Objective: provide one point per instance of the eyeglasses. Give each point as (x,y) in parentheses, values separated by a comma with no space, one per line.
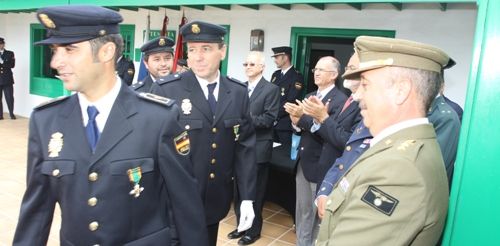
(321,70)
(249,64)
(350,68)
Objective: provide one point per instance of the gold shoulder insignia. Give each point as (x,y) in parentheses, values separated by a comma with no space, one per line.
(406,144)
(156,98)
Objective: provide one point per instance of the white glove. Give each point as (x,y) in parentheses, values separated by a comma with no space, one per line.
(246,215)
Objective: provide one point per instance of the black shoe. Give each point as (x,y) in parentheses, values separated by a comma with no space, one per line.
(1,117)
(235,234)
(247,240)
(13,117)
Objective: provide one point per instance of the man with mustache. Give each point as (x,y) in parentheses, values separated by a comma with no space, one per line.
(396,193)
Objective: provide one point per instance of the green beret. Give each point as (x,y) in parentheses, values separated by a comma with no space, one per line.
(377,52)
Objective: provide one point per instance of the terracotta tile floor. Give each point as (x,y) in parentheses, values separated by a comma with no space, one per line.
(277,229)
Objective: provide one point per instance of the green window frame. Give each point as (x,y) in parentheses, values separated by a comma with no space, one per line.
(42,77)
(152,34)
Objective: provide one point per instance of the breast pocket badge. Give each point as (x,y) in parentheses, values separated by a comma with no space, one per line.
(236,130)
(186,106)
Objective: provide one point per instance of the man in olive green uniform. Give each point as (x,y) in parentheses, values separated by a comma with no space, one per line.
(396,193)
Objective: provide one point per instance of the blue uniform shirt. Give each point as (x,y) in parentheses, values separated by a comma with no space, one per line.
(357,144)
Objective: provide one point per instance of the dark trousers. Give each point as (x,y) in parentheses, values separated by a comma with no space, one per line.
(258,204)
(8,91)
(283,136)
(213,230)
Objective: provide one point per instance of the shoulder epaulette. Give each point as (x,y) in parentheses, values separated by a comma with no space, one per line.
(169,78)
(137,85)
(51,102)
(236,81)
(155,98)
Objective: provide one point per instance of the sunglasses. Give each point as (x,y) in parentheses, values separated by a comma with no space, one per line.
(249,64)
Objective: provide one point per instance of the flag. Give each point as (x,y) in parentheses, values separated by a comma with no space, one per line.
(143,71)
(163,32)
(179,52)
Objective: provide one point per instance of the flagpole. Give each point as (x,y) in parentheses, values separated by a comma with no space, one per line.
(143,71)
(179,52)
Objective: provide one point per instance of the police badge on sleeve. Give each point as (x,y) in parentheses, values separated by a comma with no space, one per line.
(182,143)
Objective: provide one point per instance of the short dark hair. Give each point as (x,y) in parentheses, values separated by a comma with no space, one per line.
(97,43)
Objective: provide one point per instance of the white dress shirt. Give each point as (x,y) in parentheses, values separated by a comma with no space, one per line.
(103,105)
(204,88)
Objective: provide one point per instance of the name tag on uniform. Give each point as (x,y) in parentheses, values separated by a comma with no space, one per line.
(344,185)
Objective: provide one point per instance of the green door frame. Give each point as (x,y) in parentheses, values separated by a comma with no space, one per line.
(473,213)
(301,47)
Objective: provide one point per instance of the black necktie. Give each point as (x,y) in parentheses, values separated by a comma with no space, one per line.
(91,129)
(211,98)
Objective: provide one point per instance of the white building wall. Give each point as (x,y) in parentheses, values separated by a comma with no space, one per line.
(452,30)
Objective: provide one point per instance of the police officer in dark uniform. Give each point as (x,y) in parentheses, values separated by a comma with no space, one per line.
(7,63)
(158,58)
(290,82)
(215,111)
(125,69)
(182,66)
(112,159)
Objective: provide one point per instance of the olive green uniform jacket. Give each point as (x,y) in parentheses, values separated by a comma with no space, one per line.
(396,193)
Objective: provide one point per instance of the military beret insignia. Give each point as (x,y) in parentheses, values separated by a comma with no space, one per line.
(298,85)
(102,32)
(195,29)
(47,21)
(380,200)
(161,42)
(182,143)
(130,71)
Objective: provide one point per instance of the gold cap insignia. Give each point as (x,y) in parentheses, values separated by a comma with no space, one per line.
(47,21)
(195,29)
(182,143)
(102,32)
(55,144)
(161,42)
